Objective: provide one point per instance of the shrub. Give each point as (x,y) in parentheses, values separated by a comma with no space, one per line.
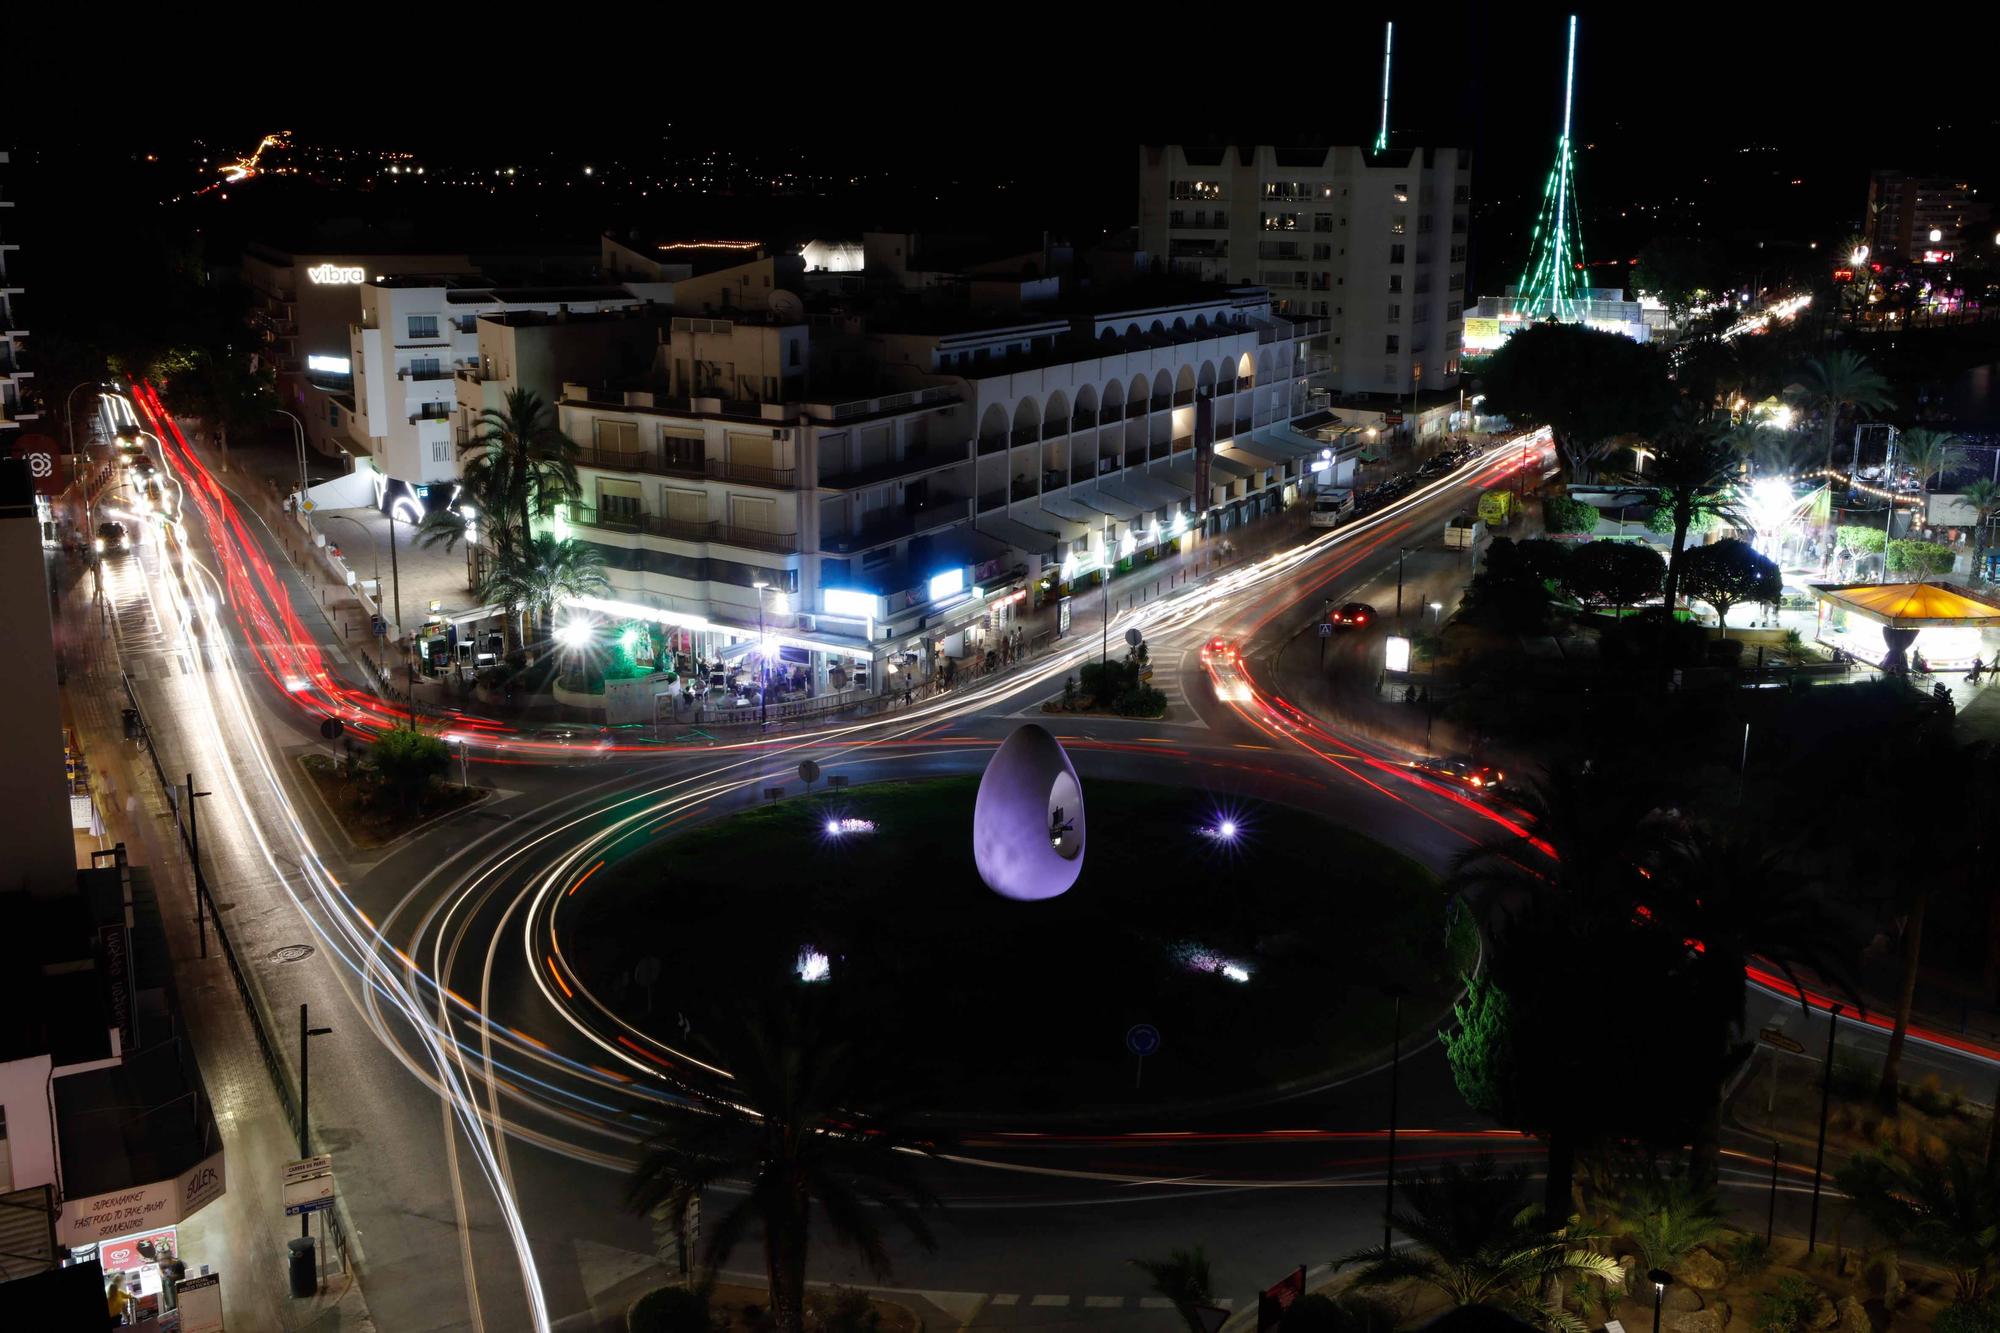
(1349,1313)
(1725,652)
(406,760)
(1919,557)
(1858,537)
(1789,1309)
(670,1310)
(1562,514)
(1140,701)
(841,1310)
(1747,1255)
(1969,1317)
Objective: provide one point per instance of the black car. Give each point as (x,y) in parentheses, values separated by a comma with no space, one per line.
(1354,615)
(111,536)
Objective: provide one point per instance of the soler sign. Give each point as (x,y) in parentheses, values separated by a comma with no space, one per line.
(337,275)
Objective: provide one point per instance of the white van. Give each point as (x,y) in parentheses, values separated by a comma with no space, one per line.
(1332,508)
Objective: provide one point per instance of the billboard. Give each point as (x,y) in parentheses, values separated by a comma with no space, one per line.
(44,459)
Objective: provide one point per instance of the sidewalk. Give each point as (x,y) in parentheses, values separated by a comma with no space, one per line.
(242,1235)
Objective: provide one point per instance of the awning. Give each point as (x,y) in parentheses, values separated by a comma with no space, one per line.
(1221,467)
(1153,489)
(1065,529)
(1260,454)
(1911,605)
(1068,507)
(965,546)
(1100,498)
(1182,477)
(1020,536)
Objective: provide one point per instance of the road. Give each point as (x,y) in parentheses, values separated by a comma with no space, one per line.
(482,1112)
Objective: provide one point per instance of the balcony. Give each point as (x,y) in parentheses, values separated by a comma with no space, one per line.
(443,413)
(888,527)
(435,373)
(465,324)
(1243,425)
(1183,443)
(471,375)
(1027,434)
(641,460)
(991,444)
(917,460)
(1184,398)
(1054,430)
(1111,414)
(1224,386)
(780,478)
(652,525)
(1135,409)
(992,500)
(1083,420)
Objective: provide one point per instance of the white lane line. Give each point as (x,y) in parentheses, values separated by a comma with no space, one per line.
(1042,1301)
(1104,1302)
(1155,1303)
(1012,1298)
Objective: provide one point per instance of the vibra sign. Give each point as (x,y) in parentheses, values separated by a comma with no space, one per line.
(337,275)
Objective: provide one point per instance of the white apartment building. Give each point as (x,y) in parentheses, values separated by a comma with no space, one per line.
(412,352)
(1373,242)
(982,464)
(16,403)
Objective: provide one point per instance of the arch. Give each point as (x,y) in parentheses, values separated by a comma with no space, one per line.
(1246,370)
(1163,388)
(1184,377)
(1206,379)
(1180,324)
(1201,323)
(1141,390)
(1132,330)
(1055,414)
(1109,334)
(1159,327)
(1085,411)
(1027,417)
(993,424)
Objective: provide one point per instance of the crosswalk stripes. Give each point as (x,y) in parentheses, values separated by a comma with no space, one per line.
(1055,1301)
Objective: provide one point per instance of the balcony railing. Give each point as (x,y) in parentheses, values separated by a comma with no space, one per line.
(990,500)
(442,415)
(653,525)
(1184,397)
(917,460)
(890,526)
(1136,409)
(1082,420)
(432,373)
(784,478)
(1026,434)
(991,444)
(1183,443)
(641,460)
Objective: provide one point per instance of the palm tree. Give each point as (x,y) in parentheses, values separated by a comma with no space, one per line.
(1183,1278)
(1984,497)
(1477,1245)
(1692,478)
(1946,1209)
(533,580)
(1841,379)
(793,1122)
(1665,1217)
(518,468)
(1928,453)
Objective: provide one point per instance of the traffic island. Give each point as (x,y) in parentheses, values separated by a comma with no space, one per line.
(1211,948)
(368,813)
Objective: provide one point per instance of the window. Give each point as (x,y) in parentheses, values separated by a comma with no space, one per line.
(1395,312)
(618,437)
(1456,282)
(1461,194)
(1177,218)
(1394,343)
(1395,282)
(680,448)
(1458,253)
(332,413)
(1458,224)
(1422,313)
(1402,194)
(1279,221)
(1399,223)
(426,368)
(1396,254)
(619,502)
(1194,190)
(1322,222)
(1451,311)
(1423,224)
(1321,250)
(423,326)
(440,451)
(792,349)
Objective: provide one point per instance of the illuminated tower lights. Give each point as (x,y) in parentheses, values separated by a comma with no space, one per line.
(1550,285)
(1388,45)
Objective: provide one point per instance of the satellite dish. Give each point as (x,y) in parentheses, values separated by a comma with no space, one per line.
(787,306)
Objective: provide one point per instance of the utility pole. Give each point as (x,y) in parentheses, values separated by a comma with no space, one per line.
(395,575)
(194,859)
(1825,1092)
(1395,1087)
(306,1034)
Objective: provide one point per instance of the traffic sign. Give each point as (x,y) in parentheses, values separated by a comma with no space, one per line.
(1773,1037)
(1142,1039)
(308,1186)
(1326,629)
(379,625)
(1133,638)
(307,1168)
(332,728)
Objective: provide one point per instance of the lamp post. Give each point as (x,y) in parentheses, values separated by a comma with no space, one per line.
(299,438)
(306,1034)
(1819,1157)
(69,433)
(1395,1087)
(1661,1280)
(763,658)
(1401,552)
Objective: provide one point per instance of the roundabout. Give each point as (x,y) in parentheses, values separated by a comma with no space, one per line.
(1229,925)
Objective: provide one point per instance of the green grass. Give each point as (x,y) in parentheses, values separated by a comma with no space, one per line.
(978,1001)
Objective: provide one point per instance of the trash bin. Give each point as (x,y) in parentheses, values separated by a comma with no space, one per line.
(304,1266)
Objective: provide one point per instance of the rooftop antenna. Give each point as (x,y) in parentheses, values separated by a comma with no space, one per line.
(1388,45)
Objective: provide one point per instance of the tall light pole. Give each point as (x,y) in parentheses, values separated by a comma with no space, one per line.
(299,438)
(69,433)
(763,658)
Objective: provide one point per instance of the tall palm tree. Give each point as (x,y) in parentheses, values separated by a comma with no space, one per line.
(1946,1209)
(1984,497)
(1182,1278)
(794,1124)
(1928,453)
(1477,1245)
(1841,379)
(518,468)
(533,580)
(1692,478)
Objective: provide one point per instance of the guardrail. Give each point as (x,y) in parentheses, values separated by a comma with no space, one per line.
(274,1065)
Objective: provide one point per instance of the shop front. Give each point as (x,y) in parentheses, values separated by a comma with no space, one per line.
(135,1235)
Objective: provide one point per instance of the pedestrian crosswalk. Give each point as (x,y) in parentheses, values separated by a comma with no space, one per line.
(1011,1299)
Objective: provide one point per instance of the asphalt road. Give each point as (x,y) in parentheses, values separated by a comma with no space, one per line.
(482,1118)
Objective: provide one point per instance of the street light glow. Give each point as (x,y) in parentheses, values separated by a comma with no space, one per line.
(575,633)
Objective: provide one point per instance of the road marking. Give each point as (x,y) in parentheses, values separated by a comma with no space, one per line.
(1104,1302)
(1049,1301)
(1155,1303)
(1005,1298)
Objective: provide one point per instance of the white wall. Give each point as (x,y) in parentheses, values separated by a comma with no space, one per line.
(24,1094)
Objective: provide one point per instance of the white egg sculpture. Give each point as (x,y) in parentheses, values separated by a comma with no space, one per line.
(1027,825)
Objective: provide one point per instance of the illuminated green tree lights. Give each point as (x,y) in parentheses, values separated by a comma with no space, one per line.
(1552,284)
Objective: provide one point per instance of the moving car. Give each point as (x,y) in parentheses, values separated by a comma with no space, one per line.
(1481,779)
(1225,669)
(111,536)
(1353,615)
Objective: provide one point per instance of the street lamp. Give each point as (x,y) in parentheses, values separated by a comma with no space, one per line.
(763,658)
(1661,1279)
(1401,552)
(299,438)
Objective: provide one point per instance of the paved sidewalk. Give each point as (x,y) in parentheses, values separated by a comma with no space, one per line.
(242,1235)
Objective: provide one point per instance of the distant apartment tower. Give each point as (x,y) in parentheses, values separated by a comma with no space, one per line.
(1912,217)
(1373,242)
(16,402)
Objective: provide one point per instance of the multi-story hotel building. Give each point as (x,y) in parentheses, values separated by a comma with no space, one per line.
(890,486)
(1374,243)
(16,403)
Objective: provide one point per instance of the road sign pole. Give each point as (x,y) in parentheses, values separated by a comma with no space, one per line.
(1825,1092)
